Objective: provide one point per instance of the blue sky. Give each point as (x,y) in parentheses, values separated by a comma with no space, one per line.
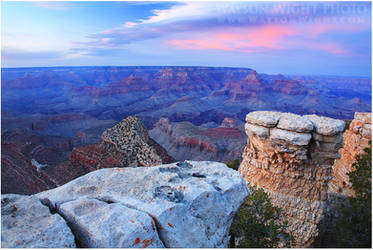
(328,38)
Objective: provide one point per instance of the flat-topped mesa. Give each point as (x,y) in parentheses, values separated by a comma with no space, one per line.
(291,157)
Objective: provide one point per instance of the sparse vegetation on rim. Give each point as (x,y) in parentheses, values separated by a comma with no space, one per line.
(258,224)
(354,228)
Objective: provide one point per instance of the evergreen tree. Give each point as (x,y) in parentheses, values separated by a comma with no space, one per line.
(354,228)
(257,223)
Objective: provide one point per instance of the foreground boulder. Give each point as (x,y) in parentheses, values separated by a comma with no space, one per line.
(25,222)
(99,224)
(186,204)
(291,157)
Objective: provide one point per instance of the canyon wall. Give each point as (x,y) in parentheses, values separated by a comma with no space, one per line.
(355,140)
(210,141)
(291,157)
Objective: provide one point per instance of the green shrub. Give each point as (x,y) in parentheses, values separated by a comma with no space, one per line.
(347,125)
(354,228)
(234,164)
(257,223)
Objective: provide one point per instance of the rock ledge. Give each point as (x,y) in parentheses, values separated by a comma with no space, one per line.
(185,204)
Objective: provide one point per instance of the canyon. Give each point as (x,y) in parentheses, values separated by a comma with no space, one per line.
(127,144)
(50,111)
(61,123)
(183,140)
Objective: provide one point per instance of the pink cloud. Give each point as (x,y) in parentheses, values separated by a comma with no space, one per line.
(264,38)
(247,40)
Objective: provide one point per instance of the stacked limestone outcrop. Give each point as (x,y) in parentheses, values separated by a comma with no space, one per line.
(291,157)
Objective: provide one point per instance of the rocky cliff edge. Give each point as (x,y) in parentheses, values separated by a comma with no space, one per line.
(185,204)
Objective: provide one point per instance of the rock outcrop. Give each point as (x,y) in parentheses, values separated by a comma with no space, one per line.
(127,144)
(291,157)
(355,140)
(25,222)
(185,204)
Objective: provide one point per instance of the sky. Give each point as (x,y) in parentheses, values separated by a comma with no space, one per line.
(309,38)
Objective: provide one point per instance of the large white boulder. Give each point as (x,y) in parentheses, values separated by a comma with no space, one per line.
(294,122)
(294,138)
(98,224)
(26,223)
(325,125)
(192,203)
(267,119)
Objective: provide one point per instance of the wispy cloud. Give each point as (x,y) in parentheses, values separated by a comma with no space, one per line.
(250,27)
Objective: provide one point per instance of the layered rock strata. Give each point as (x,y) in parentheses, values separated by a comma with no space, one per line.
(185,141)
(291,157)
(185,204)
(355,140)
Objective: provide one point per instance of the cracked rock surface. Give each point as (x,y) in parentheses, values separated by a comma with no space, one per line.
(185,204)
(25,222)
(99,224)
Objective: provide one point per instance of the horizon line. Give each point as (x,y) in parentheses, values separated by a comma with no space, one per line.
(182,66)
